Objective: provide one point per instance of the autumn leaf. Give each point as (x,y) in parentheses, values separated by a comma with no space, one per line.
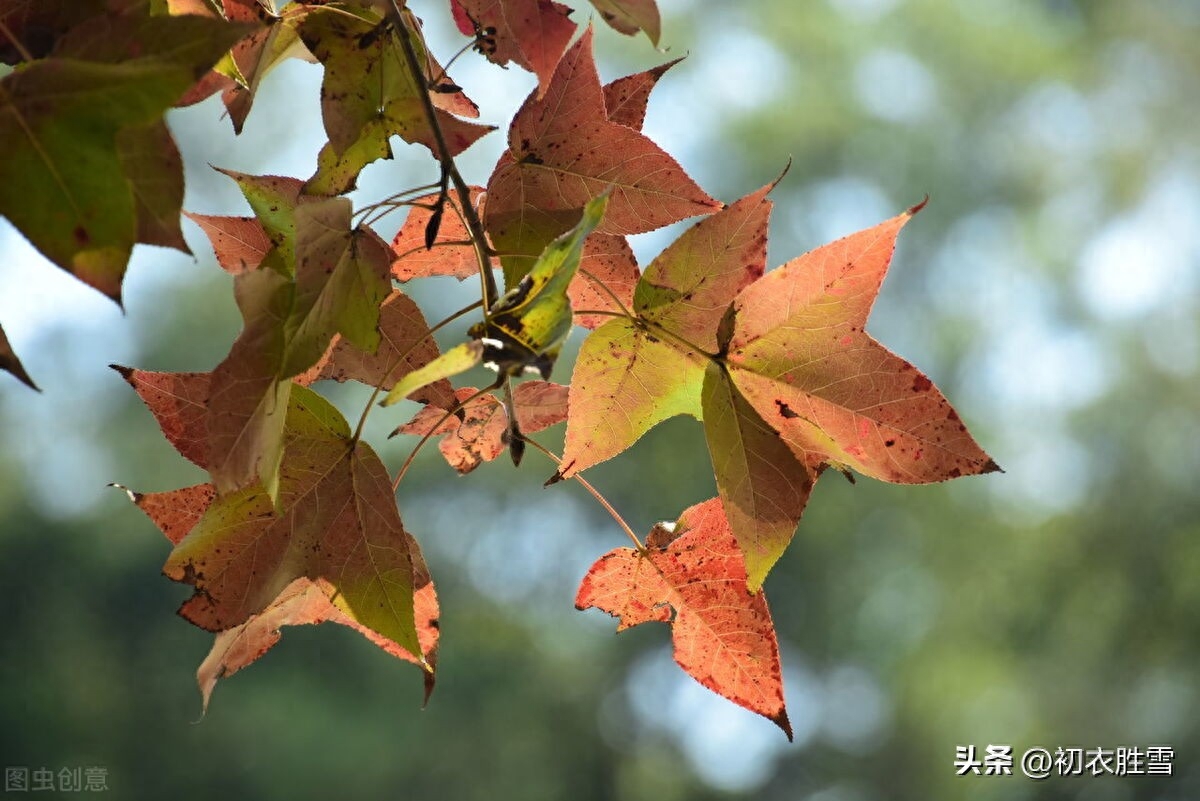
(764,489)
(562,151)
(452,252)
(304,601)
(72,177)
(10,363)
(240,243)
(531,33)
(320,279)
(152,163)
(179,402)
(406,344)
(625,99)
(800,355)
(631,16)
(175,512)
(632,374)
(361,113)
(335,520)
(779,368)
(239,74)
(478,436)
(691,575)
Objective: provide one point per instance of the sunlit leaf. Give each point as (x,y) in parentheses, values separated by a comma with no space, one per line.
(562,151)
(691,576)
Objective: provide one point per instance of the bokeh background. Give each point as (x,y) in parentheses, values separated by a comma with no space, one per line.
(1050,288)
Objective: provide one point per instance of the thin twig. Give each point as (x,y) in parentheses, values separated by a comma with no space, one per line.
(362,419)
(474,224)
(608,507)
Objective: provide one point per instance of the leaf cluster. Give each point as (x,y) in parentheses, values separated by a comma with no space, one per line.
(298,522)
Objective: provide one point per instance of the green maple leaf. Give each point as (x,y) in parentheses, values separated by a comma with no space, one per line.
(320,279)
(369,94)
(85,154)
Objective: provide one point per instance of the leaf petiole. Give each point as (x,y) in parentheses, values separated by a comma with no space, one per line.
(362,419)
(595,493)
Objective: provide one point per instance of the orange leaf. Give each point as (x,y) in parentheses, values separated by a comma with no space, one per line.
(800,355)
(304,601)
(562,152)
(692,576)
(531,33)
(413,260)
(179,401)
(240,243)
(625,99)
(608,268)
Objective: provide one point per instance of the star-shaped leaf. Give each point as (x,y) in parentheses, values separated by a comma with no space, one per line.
(787,381)
(335,520)
(691,576)
(564,150)
(369,94)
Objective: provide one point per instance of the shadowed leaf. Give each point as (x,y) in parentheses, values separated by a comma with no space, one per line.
(763,487)
(335,520)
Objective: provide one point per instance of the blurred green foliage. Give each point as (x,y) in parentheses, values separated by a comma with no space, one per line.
(1050,289)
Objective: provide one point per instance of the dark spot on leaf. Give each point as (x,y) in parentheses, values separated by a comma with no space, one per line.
(785,411)
(82,238)
(921,384)
(889,443)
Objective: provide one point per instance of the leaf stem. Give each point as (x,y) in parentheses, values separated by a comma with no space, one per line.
(362,419)
(608,507)
(609,292)
(474,224)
